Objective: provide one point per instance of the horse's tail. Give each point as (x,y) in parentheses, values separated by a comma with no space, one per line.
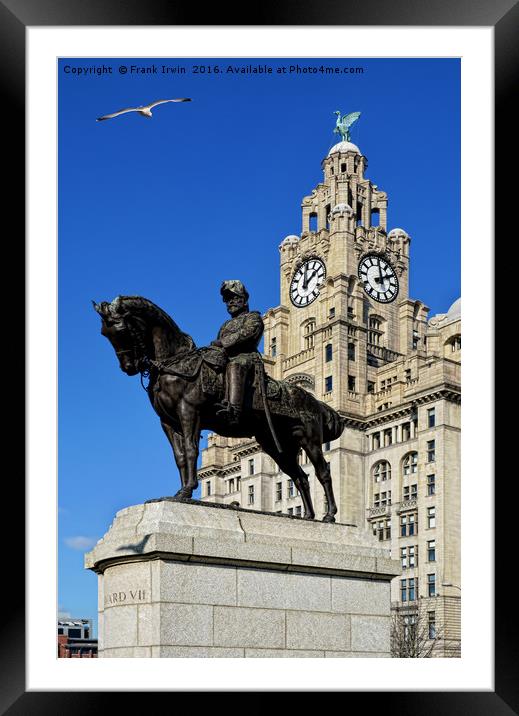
(332,423)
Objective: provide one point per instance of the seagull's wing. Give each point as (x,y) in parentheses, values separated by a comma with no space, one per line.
(119,111)
(349,119)
(161,101)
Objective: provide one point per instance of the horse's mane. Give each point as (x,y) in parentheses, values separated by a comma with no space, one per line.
(145,308)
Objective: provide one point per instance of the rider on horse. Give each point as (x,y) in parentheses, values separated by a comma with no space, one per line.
(239,337)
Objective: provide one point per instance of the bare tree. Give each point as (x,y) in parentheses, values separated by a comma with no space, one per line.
(415,633)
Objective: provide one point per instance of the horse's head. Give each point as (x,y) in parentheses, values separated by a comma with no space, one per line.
(125,332)
(140,331)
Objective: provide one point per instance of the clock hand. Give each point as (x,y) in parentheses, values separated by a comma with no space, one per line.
(311,276)
(305,280)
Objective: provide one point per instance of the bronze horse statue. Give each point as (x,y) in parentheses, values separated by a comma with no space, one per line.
(147,341)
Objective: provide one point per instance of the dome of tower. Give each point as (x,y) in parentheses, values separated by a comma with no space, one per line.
(454,312)
(344,147)
(289,240)
(397,234)
(341,208)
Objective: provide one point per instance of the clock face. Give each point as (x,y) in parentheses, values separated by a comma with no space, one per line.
(378,278)
(306,282)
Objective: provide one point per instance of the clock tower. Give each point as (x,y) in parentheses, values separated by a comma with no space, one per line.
(344,309)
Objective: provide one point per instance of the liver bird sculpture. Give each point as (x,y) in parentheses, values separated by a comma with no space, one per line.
(344,123)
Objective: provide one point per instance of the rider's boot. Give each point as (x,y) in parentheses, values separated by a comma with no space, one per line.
(232,409)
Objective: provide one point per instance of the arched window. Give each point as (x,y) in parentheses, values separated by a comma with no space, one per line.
(382,471)
(376,330)
(410,464)
(453,345)
(410,477)
(308,333)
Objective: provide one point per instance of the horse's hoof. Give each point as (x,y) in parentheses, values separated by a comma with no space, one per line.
(328,518)
(182,494)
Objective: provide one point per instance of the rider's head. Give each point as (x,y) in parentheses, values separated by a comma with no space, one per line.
(236,296)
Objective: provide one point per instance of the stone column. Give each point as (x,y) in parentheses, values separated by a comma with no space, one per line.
(197,580)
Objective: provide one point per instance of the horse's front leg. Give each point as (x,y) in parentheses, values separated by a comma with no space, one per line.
(177,443)
(190,423)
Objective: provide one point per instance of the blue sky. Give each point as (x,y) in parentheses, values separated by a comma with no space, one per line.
(168,207)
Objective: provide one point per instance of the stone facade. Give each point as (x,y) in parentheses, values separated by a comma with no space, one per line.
(194,580)
(392,373)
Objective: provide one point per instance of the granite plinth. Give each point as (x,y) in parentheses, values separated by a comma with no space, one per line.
(184,579)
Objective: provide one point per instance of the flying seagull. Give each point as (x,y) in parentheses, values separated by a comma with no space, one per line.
(145,110)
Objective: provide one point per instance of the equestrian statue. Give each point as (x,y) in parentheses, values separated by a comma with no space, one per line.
(222,387)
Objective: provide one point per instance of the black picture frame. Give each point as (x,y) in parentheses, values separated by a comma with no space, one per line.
(15,16)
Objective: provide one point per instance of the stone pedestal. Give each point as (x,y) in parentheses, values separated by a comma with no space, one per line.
(183,579)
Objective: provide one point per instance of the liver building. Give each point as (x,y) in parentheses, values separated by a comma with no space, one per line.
(347,330)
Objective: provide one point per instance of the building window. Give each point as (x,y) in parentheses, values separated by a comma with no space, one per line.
(407,375)
(371,386)
(343,167)
(208,488)
(431,451)
(388,437)
(431,484)
(375,330)
(408,557)
(238,483)
(331,313)
(431,624)
(251,466)
(327,446)
(382,471)
(231,485)
(376,441)
(328,384)
(411,525)
(408,525)
(431,585)
(298,511)
(382,529)
(328,352)
(279,490)
(412,556)
(291,488)
(431,417)
(406,432)
(431,517)
(454,344)
(410,464)
(309,334)
(251,494)
(350,313)
(410,492)
(273,347)
(407,590)
(351,383)
(409,622)
(431,550)
(290,511)
(382,499)
(351,351)
(416,340)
